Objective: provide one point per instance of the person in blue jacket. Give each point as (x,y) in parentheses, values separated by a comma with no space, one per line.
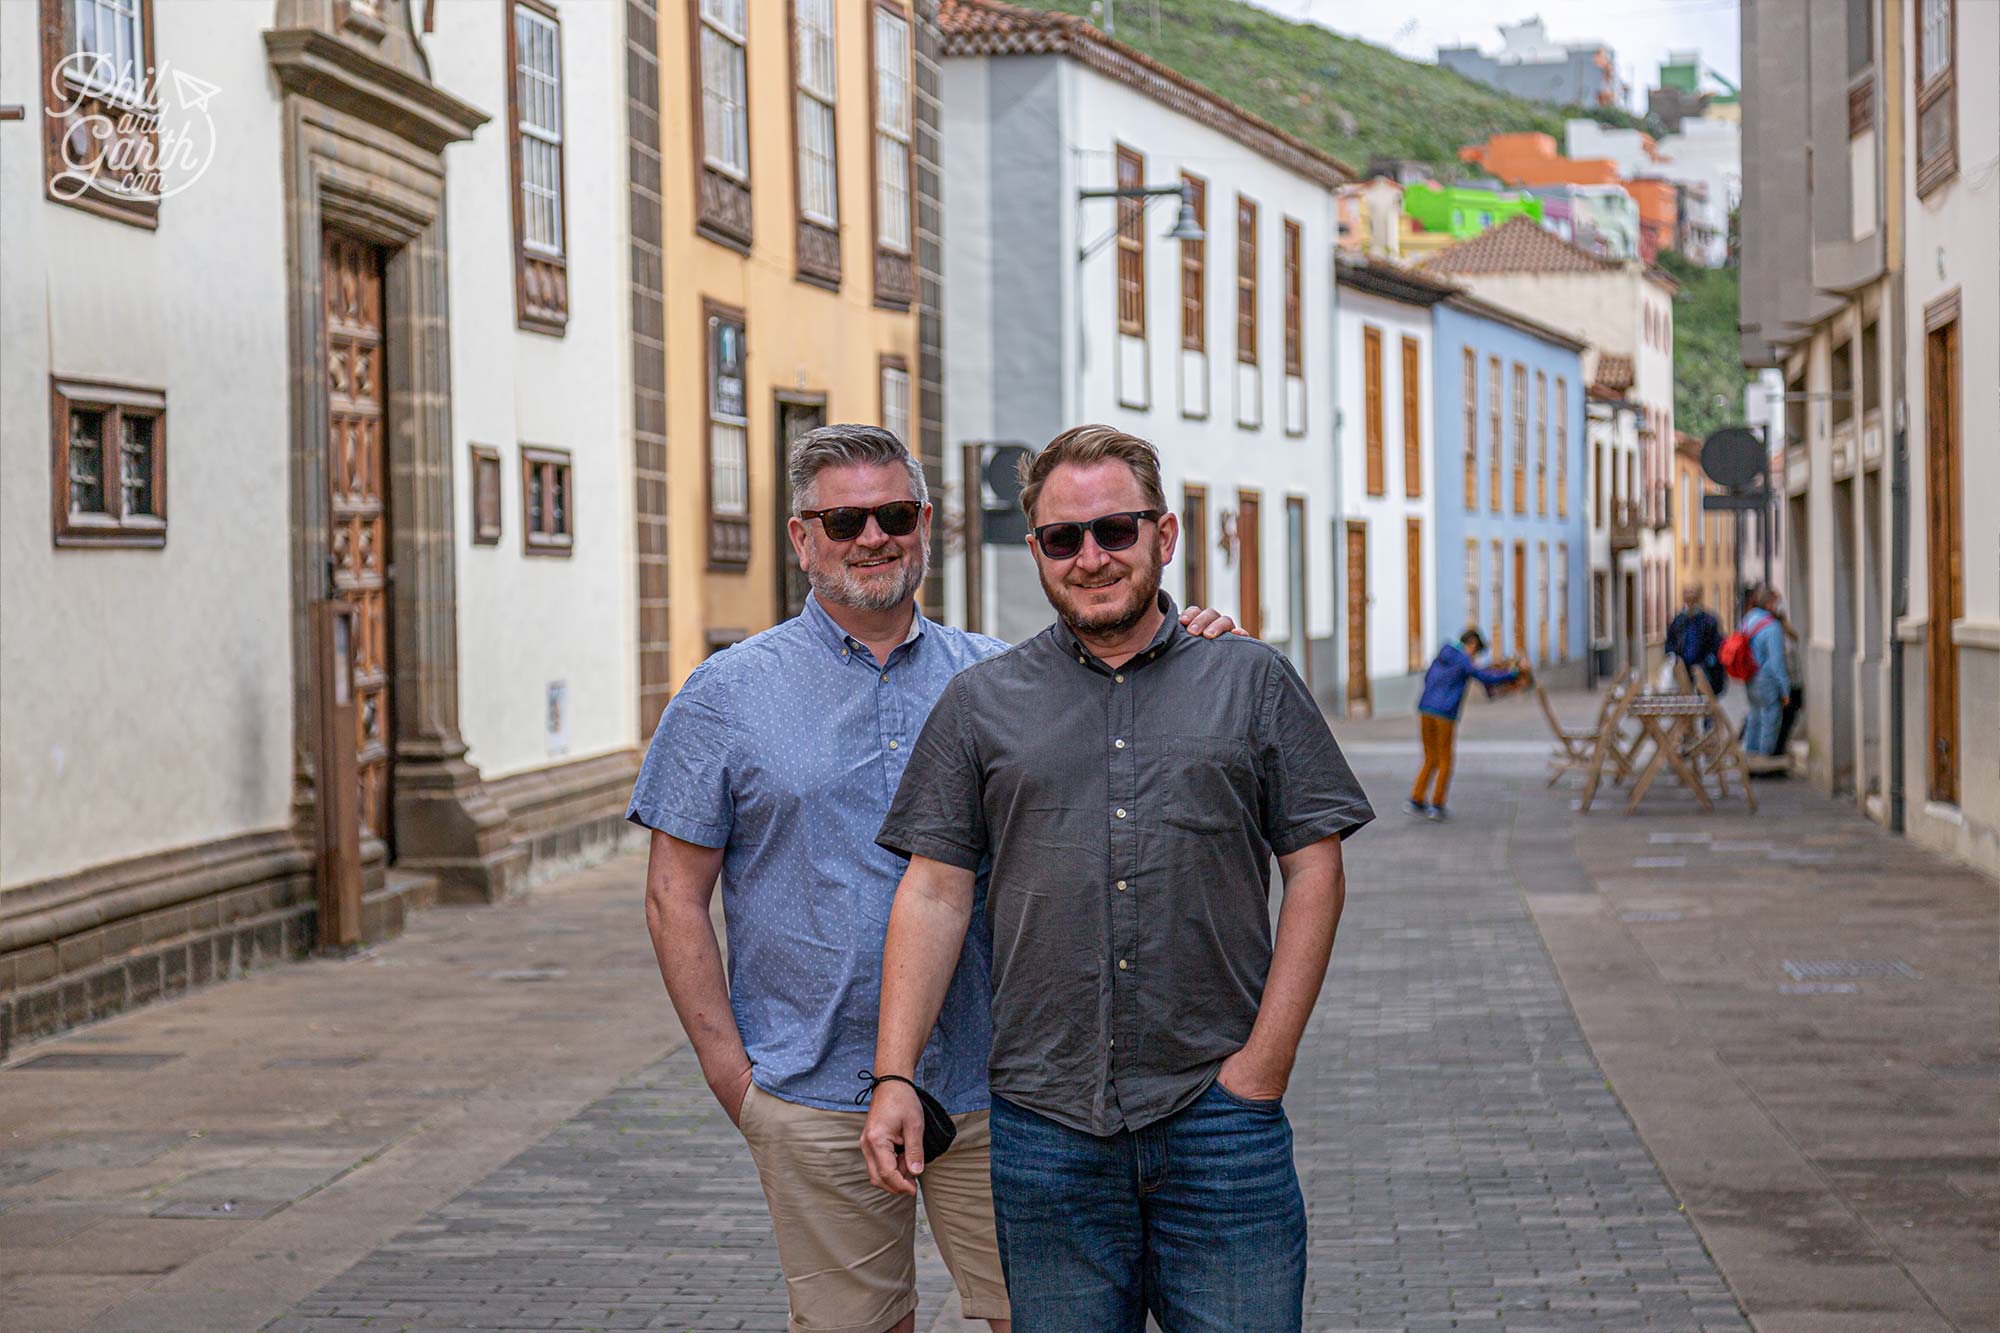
(1437,716)
(1771,688)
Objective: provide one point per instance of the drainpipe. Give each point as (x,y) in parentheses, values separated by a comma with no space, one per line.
(1338,533)
(1899,552)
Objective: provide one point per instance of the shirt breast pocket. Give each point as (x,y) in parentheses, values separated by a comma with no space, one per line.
(1202,784)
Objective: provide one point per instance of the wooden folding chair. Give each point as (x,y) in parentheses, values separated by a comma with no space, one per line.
(1573,746)
(1720,749)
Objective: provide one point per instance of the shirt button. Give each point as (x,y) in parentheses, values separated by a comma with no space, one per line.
(1121,886)
(1121,964)
(843,652)
(892,745)
(1112,1042)
(885,675)
(1121,812)
(1119,679)
(1119,744)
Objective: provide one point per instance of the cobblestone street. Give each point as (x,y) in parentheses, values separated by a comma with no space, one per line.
(1466,1161)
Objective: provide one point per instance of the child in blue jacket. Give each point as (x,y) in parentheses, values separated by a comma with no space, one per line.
(1437,716)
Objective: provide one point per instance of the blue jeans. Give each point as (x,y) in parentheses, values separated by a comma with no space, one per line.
(1767,709)
(1197,1218)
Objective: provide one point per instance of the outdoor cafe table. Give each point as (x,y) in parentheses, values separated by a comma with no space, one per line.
(1668,722)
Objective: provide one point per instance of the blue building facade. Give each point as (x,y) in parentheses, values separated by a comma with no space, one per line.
(1513,544)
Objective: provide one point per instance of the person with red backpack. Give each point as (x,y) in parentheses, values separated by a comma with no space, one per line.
(1758,646)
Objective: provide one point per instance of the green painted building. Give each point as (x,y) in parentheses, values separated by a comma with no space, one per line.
(1463,211)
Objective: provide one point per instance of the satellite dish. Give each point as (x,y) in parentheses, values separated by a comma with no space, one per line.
(1733,457)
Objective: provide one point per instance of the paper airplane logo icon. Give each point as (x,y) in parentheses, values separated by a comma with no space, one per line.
(192,92)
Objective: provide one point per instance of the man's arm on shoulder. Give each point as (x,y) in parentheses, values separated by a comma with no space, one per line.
(680,883)
(1315,893)
(926,933)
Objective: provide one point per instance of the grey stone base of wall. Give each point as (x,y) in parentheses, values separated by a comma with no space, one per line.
(86,946)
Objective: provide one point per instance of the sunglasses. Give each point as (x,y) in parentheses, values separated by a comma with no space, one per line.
(1114,532)
(898,518)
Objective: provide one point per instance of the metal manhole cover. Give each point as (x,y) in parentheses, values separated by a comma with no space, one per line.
(1848,969)
(1818,988)
(58,1060)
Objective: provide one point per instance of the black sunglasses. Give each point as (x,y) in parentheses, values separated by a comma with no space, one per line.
(898,518)
(1114,532)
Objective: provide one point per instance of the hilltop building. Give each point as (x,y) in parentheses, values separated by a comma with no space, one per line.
(1070,307)
(1530,65)
(1703,165)
(1531,159)
(1599,218)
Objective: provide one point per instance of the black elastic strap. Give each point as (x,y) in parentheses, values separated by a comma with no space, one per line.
(873,1080)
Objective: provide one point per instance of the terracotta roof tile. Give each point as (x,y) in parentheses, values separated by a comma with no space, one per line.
(1519,245)
(993,28)
(1614,371)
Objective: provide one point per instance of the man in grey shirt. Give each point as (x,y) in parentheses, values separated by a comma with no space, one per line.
(1130,794)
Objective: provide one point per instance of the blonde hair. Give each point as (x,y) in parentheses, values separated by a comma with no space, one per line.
(1084,446)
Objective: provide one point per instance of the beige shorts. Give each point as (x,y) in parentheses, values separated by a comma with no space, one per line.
(847,1248)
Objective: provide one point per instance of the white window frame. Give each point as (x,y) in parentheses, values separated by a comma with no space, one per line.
(815,87)
(895,164)
(127,54)
(725,113)
(539,99)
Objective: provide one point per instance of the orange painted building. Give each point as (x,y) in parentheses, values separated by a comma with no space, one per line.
(1531,159)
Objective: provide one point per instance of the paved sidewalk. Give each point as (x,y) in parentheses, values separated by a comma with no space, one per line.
(490,1123)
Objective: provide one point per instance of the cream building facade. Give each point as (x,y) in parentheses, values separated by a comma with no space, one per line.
(1886,330)
(797,189)
(364,341)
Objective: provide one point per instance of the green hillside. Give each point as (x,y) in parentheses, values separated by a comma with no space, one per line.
(1341,95)
(1708,363)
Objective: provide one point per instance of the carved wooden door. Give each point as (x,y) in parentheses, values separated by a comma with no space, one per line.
(358,521)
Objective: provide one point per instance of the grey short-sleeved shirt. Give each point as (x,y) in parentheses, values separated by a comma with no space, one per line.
(1131,816)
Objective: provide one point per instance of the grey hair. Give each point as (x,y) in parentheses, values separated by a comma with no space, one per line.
(844,445)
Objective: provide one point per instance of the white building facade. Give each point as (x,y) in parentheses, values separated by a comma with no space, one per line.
(1388,483)
(363,343)
(1066,308)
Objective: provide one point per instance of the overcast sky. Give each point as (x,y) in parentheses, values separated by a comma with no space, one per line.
(1640,32)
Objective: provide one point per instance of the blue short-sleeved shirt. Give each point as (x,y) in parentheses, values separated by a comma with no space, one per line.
(785,751)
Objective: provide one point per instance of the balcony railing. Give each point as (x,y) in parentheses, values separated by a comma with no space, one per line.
(1624,525)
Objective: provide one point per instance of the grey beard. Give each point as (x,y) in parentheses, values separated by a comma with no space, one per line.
(842,588)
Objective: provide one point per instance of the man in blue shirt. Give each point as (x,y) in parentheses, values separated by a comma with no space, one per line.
(774,767)
(1437,717)
(1695,637)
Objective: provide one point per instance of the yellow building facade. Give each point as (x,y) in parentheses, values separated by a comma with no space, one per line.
(1704,540)
(789,183)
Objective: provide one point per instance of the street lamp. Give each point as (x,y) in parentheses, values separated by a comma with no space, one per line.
(1186,228)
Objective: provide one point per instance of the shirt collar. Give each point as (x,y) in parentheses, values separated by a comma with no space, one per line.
(828,631)
(1170,629)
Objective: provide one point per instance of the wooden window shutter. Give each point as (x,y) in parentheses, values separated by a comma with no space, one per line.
(1413,560)
(1371,372)
(1413,419)
(1131,245)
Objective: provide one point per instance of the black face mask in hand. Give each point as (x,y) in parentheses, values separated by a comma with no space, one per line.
(939,1131)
